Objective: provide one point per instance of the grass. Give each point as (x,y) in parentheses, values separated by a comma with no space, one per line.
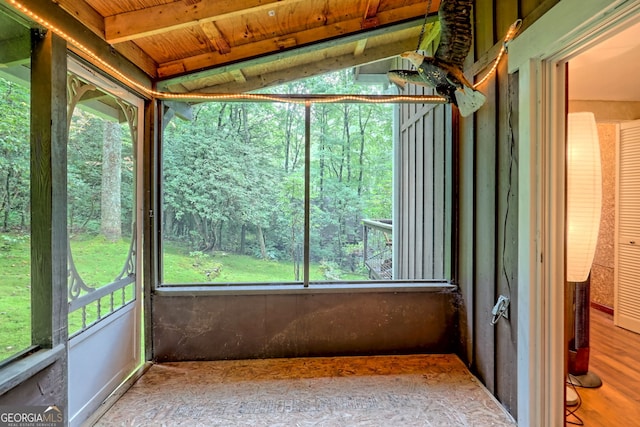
(15,294)
(98,262)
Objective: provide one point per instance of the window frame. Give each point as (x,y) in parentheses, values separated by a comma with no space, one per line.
(48,214)
(323,286)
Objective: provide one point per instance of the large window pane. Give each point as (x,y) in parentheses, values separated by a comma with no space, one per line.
(233,190)
(233,194)
(351,180)
(15,252)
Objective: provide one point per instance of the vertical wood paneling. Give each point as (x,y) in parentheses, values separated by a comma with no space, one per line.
(466,237)
(422,211)
(450,135)
(485,230)
(421,174)
(484,32)
(528,6)
(402,244)
(439,191)
(411,203)
(506,15)
(429,190)
(507,256)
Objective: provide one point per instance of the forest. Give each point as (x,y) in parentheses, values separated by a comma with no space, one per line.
(232,179)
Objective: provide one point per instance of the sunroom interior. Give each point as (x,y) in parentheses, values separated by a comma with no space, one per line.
(143,78)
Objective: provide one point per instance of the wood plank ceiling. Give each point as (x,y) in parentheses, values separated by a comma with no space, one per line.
(233,46)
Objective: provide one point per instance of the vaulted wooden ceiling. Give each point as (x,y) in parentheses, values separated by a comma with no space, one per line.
(226,46)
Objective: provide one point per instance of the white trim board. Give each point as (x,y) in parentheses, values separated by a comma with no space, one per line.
(538,54)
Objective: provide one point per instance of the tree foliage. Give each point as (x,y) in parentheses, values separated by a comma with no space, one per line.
(14,156)
(233,177)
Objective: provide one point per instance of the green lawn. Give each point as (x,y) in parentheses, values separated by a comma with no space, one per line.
(99,262)
(15,294)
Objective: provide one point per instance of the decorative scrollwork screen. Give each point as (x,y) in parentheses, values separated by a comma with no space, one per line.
(101,182)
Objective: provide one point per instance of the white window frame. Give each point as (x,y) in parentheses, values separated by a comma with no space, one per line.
(539,55)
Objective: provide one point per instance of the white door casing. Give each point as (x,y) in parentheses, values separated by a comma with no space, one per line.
(538,54)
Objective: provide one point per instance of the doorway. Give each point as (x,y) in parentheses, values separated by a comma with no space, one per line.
(538,56)
(602,81)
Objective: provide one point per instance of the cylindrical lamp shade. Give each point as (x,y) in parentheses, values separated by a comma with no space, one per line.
(584,194)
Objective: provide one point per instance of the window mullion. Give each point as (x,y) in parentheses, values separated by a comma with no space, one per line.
(307,190)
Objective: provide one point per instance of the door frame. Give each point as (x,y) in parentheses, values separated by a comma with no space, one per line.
(117,323)
(538,54)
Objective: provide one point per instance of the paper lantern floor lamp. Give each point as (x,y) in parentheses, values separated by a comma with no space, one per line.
(584,204)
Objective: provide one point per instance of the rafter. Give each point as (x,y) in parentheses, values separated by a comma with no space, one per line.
(176,15)
(261,48)
(360,46)
(215,36)
(370,15)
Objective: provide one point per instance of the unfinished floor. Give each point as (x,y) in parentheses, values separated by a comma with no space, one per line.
(412,390)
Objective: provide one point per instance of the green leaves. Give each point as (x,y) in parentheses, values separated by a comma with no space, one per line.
(233,178)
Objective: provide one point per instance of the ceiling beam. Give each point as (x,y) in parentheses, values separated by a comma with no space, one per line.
(370,18)
(70,26)
(334,33)
(94,22)
(179,14)
(215,37)
(313,69)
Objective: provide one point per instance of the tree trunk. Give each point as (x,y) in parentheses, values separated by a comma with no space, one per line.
(263,249)
(110,218)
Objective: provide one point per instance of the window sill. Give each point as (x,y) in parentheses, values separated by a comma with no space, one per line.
(298,289)
(22,369)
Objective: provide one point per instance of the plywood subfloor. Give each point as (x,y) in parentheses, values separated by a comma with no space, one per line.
(412,390)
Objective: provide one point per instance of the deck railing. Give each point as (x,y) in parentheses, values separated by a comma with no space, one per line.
(378,248)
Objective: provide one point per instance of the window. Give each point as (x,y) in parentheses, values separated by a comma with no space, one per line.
(248,197)
(15,254)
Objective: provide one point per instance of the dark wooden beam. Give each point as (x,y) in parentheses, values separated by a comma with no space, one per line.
(48,189)
(48,169)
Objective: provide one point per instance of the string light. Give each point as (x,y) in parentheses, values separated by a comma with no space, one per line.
(378,99)
(511,33)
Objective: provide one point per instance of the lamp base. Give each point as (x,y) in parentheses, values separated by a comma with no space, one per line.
(572,398)
(588,380)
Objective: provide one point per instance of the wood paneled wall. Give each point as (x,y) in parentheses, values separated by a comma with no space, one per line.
(487,203)
(485,196)
(424,182)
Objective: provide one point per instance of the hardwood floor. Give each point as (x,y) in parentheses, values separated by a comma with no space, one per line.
(615,358)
